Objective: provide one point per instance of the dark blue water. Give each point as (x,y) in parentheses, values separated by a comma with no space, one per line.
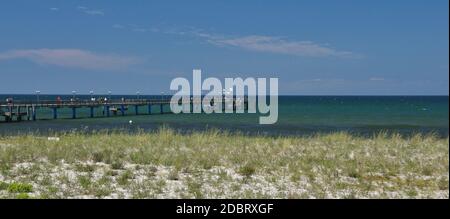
(298,115)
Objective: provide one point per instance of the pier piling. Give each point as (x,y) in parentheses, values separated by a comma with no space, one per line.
(74,112)
(33,113)
(13,111)
(122,109)
(55,113)
(108,114)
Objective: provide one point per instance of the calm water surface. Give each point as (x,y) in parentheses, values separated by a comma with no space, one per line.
(298,115)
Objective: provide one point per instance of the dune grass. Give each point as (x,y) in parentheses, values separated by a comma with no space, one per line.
(215,164)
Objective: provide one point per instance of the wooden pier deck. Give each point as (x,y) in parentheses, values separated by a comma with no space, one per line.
(21,110)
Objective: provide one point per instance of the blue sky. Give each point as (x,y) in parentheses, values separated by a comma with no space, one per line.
(314,47)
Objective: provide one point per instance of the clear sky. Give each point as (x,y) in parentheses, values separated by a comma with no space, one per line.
(315,47)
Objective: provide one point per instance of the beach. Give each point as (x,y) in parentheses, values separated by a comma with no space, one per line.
(219,164)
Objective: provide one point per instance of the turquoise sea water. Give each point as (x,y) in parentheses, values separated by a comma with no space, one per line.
(298,115)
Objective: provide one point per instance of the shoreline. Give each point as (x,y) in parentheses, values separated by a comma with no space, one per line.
(121,125)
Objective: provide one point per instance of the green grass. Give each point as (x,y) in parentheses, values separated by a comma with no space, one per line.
(117,165)
(16,187)
(85,181)
(124,178)
(214,164)
(22,196)
(3,185)
(247,170)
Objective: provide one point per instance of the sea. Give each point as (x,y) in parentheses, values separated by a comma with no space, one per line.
(297,116)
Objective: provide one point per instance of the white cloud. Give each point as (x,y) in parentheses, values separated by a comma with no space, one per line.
(88,11)
(94,12)
(54,9)
(118,26)
(270,44)
(376,79)
(154,30)
(139,29)
(258,43)
(71,58)
(134,28)
(280,46)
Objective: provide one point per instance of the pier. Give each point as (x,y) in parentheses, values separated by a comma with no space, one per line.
(27,110)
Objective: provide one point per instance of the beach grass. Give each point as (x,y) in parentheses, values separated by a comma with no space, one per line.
(218,164)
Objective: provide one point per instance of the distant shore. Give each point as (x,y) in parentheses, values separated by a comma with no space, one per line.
(215,164)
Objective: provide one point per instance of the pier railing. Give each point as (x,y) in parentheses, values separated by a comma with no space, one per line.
(20,108)
(81,103)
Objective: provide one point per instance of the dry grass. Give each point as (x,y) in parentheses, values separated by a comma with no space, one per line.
(213,164)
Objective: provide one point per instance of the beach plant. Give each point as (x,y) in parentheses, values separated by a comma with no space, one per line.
(17,187)
(117,165)
(22,196)
(124,178)
(247,170)
(166,163)
(3,186)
